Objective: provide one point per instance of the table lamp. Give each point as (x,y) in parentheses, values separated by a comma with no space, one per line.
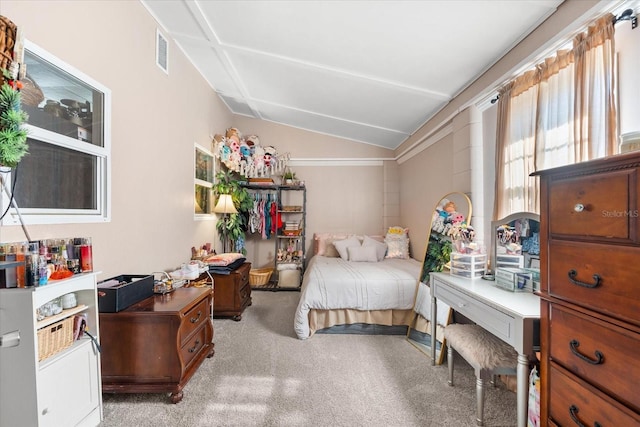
(225,206)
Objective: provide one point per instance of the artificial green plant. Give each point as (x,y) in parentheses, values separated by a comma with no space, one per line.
(438,255)
(13,137)
(234,226)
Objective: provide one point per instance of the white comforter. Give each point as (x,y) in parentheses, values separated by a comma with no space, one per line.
(332,283)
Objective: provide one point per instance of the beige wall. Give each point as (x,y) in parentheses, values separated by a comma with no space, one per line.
(468,163)
(344,180)
(422,187)
(157,119)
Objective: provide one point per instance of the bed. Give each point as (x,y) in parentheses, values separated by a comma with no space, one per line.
(371,295)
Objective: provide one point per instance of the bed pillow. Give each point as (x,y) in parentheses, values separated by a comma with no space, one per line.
(323,244)
(397,240)
(362,253)
(342,245)
(381,247)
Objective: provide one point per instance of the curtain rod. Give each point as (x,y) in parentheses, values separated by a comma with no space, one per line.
(627,15)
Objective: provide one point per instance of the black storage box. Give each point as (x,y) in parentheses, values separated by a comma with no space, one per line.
(126,290)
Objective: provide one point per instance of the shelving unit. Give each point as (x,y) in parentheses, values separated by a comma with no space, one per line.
(290,240)
(62,389)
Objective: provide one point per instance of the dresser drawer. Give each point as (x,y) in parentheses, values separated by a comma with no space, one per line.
(193,346)
(245,295)
(608,211)
(617,291)
(193,319)
(605,354)
(243,273)
(572,402)
(498,323)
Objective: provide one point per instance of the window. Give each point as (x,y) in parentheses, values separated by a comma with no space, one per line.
(562,112)
(65,176)
(203,181)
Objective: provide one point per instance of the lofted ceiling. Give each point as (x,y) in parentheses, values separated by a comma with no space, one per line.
(368,71)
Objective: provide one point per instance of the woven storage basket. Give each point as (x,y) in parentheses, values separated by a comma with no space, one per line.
(7,40)
(259,276)
(55,338)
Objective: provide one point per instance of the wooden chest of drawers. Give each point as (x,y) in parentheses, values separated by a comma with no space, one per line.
(590,307)
(156,345)
(232,292)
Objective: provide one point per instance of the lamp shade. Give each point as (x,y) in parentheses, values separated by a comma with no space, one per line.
(225,205)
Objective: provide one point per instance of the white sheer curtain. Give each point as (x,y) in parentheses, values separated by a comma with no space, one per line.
(516,157)
(562,112)
(555,130)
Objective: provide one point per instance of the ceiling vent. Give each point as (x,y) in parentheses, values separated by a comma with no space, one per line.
(162,52)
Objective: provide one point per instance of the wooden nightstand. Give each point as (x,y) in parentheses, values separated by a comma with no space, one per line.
(232,292)
(157,345)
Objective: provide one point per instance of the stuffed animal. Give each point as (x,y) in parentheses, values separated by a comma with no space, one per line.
(449,207)
(233,135)
(258,158)
(456,217)
(245,151)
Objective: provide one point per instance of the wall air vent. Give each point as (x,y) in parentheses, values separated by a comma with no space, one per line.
(162,51)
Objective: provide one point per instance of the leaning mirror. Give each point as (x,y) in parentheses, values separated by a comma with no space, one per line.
(450,216)
(515,241)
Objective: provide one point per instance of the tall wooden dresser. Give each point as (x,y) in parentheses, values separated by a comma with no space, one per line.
(590,290)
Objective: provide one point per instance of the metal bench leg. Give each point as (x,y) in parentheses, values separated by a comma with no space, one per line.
(480,400)
(450,364)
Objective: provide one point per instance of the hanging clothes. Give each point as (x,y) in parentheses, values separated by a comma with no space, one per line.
(254,216)
(273,213)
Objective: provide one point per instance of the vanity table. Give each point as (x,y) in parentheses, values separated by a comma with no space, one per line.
(514,317)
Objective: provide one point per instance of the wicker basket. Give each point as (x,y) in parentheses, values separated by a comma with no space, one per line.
(55,338)
(259,276)
(7,41)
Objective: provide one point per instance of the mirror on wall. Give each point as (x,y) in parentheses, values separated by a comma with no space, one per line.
(450,211)
(515,241)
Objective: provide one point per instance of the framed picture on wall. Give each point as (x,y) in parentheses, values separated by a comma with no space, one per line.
(204,172)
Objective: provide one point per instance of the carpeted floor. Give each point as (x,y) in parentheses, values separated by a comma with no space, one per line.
(261,375)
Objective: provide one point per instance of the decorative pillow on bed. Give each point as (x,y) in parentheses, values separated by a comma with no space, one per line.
(362,253)
(342,245)
(381,247)
(397,240)
(323,244)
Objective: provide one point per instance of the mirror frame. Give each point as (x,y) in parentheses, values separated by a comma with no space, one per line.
(423,299)
(506,220)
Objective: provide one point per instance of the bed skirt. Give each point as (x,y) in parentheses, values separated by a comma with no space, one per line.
(424,327)
(322,319)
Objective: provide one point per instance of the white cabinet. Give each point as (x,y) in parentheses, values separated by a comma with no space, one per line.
(63,389)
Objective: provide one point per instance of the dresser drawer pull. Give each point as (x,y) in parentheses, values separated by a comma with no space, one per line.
(195,346)
(573,411)
(574,344)
(195,319)
(579,207)
(572,277)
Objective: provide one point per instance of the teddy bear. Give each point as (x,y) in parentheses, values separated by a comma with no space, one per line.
(233,135)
